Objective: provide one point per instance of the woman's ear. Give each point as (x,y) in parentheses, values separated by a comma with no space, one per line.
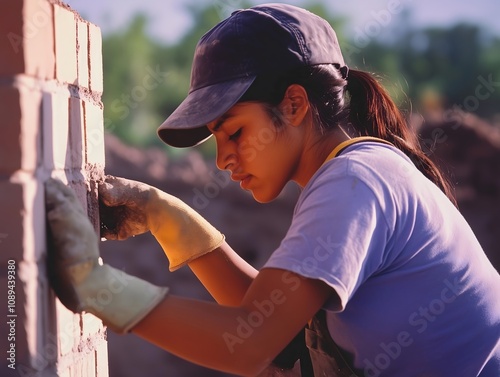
(295,104)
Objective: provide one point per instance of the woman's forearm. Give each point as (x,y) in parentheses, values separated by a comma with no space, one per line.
(241,339)
(236,272)
(204,333)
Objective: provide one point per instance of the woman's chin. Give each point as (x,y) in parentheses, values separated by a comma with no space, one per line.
(262,196)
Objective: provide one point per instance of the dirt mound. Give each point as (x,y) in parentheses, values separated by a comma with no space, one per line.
(468,149)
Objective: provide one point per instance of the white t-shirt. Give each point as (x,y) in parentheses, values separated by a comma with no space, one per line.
(418,295)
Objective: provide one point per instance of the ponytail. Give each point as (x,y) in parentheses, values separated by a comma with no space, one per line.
(368,108)
(373,113)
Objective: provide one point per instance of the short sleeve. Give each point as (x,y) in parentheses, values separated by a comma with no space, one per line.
(338,234)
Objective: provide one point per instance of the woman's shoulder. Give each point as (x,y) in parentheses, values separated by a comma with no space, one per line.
(373,174)
(378,166)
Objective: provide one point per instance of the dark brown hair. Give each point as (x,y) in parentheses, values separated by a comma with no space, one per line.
(359,102)
(374,113)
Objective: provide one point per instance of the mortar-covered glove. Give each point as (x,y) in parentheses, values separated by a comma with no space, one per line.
(78,276)
(129,207)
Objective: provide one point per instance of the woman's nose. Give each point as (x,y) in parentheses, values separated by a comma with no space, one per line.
(226,155)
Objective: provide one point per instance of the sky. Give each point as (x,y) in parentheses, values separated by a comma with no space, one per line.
(170,19)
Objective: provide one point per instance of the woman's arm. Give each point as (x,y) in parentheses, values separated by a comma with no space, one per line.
(224,274)
(241,339)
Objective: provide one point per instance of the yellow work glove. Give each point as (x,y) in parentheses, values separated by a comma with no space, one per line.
(129,208)
(77,273)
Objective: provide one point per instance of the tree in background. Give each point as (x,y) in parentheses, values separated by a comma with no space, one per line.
(145,80)
(442,67)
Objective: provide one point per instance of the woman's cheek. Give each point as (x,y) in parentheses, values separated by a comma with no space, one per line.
(247,151)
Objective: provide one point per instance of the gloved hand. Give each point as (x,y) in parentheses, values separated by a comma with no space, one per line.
(129,208)
(79,278)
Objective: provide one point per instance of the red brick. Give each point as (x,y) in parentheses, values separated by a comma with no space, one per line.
(55,121)
(63,371)
(80,190)
(43,346)
(68,329)
(12,220)
(83,54)
(95,58)
(74,180)
(88,365)
(22,354)
(78,368)
(20,144)
(91,325)
(21,338)
(12,41)
(35,351)
(102,359)
(22,223)
(65,45)
(76,134)
(63,131)
(27,42)
(94,134)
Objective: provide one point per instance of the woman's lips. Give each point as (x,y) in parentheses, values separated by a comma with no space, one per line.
(244,179)
(245,182)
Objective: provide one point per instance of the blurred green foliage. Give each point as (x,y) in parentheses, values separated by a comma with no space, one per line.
(145,80)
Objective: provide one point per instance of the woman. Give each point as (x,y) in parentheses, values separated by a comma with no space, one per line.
(378,264)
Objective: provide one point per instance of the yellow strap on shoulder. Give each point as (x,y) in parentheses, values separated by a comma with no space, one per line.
(339,148)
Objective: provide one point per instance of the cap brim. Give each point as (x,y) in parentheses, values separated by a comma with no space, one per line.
(187,125)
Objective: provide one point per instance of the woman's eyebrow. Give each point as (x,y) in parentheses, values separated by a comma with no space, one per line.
(221,121)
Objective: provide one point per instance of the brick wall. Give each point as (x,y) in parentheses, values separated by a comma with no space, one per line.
(51,124)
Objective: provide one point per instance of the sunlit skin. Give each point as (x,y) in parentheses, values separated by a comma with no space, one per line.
(263,157)
(198,331)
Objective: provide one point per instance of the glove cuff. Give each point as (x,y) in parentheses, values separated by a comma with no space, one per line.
(176,262)
(118,299)
(182,232)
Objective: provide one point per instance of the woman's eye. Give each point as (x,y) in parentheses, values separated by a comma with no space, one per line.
(235,135)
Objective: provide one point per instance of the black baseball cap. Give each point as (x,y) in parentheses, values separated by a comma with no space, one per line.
(263,40)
